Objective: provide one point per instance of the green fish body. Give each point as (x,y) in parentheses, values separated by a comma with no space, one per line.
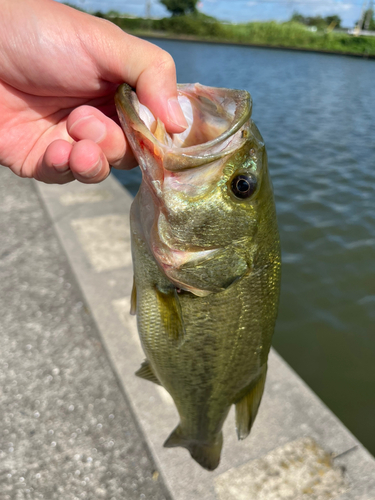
(206,261)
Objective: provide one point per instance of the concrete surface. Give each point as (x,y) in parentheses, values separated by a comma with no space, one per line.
(66,429)
(297,469)
(69,396)
(339,467)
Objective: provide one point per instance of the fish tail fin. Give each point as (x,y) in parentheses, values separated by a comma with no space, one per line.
(206,454)
(247,406)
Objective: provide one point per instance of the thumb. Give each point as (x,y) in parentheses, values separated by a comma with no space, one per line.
(145,67)
(157,89)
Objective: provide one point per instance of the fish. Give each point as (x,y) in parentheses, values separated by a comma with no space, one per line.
(206,259)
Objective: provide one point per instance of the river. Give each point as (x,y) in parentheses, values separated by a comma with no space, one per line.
(316,113)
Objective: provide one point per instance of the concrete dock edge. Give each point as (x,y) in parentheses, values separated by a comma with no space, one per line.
(293,426)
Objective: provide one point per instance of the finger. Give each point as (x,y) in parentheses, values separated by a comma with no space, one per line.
(63,162)
(88,163)
(89,123)
(148,68)
(53,166)
(160,96)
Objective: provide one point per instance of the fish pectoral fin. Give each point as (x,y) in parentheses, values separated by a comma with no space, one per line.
(247,406)
(133,299)
(146,372)
(206,454)
(171,313)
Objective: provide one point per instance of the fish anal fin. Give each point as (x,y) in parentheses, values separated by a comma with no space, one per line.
(247,406)
(171,314)
(175,439)
(146,372)
(207,455)
(133,299)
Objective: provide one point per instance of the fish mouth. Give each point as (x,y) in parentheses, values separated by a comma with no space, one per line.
(214,116)
(219,126)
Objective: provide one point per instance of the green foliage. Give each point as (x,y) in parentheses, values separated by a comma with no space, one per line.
(135,25)
(113,13)
(100,14)
(74,6)
(290,34)
(180,7)
(334,20)
(193,24)
(320,22)
(368,21)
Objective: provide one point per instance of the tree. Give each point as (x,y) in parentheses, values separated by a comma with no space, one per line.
(74,6)
(298,18)
(318,21)
(180,7)
(334,20)
(368,20)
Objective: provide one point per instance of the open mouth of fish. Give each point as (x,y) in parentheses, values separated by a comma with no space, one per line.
(215,122)
(182,169)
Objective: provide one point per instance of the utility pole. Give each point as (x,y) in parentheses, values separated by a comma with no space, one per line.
(358,28)
(148,9)
(370,12)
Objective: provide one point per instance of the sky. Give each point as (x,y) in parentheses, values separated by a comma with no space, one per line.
(239,10)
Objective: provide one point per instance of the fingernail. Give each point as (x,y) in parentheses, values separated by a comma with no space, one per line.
(175,113)
(89,127)
(94,170)
(61,167)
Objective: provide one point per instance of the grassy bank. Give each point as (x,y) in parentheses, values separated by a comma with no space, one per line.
(289,35)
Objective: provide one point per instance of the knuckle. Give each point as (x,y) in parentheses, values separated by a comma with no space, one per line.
(164,63)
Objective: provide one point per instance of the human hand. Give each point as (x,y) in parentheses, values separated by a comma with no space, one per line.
(59,70)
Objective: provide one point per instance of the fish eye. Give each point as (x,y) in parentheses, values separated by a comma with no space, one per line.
(243,185)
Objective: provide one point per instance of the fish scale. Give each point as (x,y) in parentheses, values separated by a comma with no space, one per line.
(206,259)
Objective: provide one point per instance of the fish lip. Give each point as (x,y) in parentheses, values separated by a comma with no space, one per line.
(125,98)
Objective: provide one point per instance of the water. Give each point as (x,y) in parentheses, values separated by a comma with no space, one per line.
(316,113)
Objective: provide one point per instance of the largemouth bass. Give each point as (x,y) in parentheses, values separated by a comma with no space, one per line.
(206,261)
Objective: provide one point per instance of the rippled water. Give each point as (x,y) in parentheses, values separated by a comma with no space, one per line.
(316,113)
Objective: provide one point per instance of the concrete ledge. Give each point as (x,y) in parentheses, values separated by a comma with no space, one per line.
(66,430)
(299,448)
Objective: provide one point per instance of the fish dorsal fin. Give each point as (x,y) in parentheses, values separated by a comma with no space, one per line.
(133,299)
(146,372)
(170,313)
(206,454)
(247,406)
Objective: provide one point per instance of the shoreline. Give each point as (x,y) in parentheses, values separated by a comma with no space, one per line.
(196,39)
